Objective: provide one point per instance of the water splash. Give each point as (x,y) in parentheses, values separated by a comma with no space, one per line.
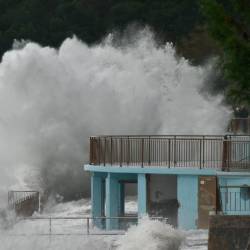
(151,234)
(52,100)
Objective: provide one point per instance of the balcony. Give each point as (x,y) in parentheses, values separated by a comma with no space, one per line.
(171,151)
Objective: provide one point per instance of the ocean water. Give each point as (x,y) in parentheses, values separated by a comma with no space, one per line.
(148,234)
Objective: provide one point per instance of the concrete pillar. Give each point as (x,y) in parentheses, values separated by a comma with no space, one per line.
(187,194)
(112,201)
(121,199)
(142,194)
(97,198)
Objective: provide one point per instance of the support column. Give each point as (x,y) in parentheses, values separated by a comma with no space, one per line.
(187,194)
(121,199)
(142,194)
(112,202)
(97,198)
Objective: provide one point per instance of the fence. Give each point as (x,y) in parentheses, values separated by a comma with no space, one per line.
(49,226)
(235,199)
(25,203)
(171,151)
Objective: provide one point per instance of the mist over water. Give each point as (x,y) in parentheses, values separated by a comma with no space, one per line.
(52,100)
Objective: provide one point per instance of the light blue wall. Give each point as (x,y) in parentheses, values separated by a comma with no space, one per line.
(187,194)
(112,201)
(97,197)
(187,189)
(237,203)
(150,170)
(234,180)
(142,194)
(121,199)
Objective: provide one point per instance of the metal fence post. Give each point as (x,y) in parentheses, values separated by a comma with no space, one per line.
(121,153)
(149,151)
(88,226)
(99,153)
(203,151)
(142,152)
(169,152)
(104,156)
(111,151)
(200,152)
(175,162)
(128,151)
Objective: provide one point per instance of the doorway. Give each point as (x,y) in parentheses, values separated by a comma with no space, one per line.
(162,197)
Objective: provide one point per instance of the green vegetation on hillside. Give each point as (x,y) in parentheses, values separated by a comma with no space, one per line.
(229,23)
(50,22)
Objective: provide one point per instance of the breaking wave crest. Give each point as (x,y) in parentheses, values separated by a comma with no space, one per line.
(151,234)
(52,100)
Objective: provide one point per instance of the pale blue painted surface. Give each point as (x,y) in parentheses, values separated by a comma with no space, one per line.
(164,170)
(150,170)
(187,195)
(238,201)
(96,195)
(97,198)
(142,194)
(121,199)
(187,190)
(234,180)
(112,201)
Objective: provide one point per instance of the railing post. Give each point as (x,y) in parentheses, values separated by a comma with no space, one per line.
(93,151)
(128,151)
(203,151)
(90,151)
(88,226)
(200,152)
(149,151)
(175,151)
(99,153)
(169,152)
(121,153)
(111,151)
(142,152)
(225,154)
(104,156)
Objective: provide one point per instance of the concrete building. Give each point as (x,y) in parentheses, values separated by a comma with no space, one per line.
(182,178)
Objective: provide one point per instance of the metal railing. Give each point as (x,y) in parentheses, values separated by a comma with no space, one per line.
(75,225)
(24,202)
(17,196)
(235,199)
(171,151)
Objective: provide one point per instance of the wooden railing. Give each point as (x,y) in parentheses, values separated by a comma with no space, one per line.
(222,152)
